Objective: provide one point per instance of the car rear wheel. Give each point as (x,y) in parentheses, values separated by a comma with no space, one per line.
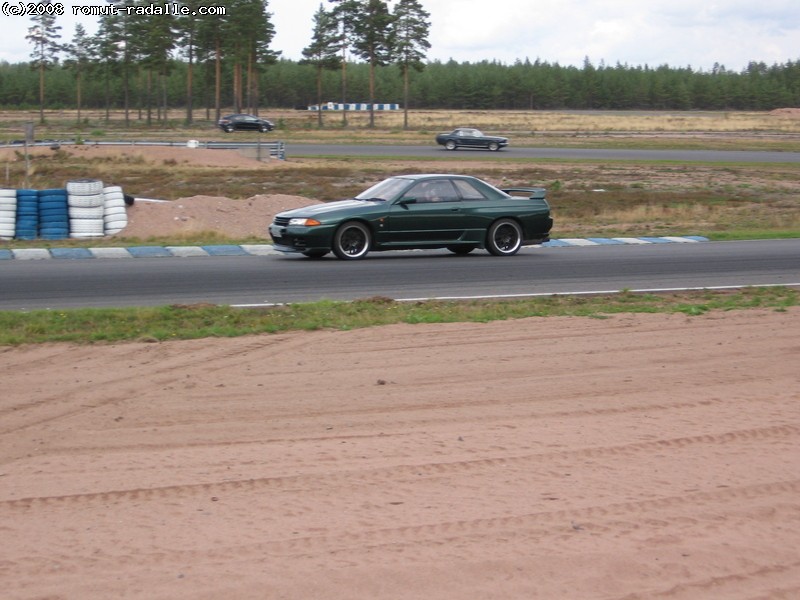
(450,145)
(504,238)
(351,241)
(494,146)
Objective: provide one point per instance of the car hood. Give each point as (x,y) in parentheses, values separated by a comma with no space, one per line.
(331,209)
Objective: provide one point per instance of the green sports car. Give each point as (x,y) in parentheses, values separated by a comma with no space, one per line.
(457,212)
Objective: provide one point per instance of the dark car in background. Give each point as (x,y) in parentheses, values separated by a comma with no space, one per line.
(469,137)
(233,123)
(457,212)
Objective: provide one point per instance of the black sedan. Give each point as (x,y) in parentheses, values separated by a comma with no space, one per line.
(469,137)
(233,123)
(457,212)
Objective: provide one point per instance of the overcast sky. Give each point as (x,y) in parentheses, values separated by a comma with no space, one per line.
(678,33)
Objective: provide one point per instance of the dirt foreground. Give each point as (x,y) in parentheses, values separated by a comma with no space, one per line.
(648,456)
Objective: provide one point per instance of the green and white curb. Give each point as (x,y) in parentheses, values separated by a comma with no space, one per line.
(268,250)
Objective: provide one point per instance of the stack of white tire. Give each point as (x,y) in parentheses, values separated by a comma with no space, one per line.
(86,204)
(8,213)
(115,216)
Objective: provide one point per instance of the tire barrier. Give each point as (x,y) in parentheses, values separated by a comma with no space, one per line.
(8,214)
(27,215)
(85,208)
(115,217)
(53,214)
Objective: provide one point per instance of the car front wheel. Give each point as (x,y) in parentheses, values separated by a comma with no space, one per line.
(229,128)
(504,238)
(494,146)
(351,241)
(450,145)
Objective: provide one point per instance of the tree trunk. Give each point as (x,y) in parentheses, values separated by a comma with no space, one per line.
(189,82)
(405,96)
(218,80)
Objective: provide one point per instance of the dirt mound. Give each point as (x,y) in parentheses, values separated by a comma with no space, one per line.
(793,113)
(186,216)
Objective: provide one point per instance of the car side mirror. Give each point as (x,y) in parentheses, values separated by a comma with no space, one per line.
(406,201)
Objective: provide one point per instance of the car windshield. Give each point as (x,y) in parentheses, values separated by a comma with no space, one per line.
(385,190)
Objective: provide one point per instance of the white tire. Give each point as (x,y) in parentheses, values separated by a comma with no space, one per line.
(116,221)
(115,210)
(84,187)
(86,201)
(115,204)
(76,235)
(114,195)
(86,226)
(76,212)
(111,189)
(114,230)
(7,220)
(8,193)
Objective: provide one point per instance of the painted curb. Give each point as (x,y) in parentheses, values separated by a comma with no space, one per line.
(268,250)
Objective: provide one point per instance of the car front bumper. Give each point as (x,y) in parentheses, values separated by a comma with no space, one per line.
(301,239)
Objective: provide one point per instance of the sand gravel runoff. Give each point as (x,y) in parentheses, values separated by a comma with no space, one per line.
(638,456)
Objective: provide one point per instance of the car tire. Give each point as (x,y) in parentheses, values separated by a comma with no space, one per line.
(450,145)
(494,146)
(352,241)
(461,250)
(504,237)
(229,129)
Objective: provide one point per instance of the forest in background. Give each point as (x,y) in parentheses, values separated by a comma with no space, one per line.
(218,54)
(451,85)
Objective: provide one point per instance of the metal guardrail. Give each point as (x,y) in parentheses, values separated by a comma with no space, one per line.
(275,149)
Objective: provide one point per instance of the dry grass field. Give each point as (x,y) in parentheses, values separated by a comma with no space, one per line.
(589,198)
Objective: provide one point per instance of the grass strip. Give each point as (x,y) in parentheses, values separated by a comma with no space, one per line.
(182,322)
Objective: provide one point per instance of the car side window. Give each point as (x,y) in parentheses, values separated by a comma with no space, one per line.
(468,191)
(433,191)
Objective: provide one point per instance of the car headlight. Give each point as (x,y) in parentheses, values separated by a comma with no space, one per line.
(304,222)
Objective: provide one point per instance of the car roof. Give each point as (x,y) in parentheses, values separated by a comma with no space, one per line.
(417,176)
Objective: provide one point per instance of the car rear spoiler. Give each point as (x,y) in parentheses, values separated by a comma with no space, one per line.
(533,193)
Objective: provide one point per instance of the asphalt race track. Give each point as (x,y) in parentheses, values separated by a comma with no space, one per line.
(274,279)
(717,156)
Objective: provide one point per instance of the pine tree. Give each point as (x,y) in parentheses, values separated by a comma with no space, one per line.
(373,41)
(411,41)
(323,52)
(345,13)
(79,52)
(44,35)
(248,35)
